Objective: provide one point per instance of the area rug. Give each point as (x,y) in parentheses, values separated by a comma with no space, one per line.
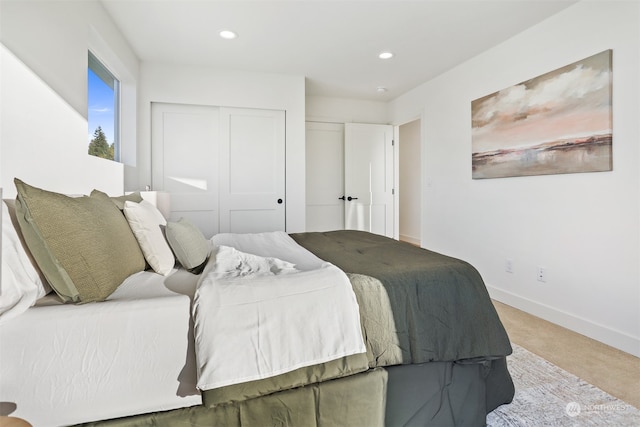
(547,395)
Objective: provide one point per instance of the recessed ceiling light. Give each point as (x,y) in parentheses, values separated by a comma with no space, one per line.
(381,89)
(385,55)
(227,34)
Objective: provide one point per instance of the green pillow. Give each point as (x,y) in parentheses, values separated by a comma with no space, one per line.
(83,245)
(119,200)
(188,244)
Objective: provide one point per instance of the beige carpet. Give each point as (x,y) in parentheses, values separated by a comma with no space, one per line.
(547,395)
(612,370)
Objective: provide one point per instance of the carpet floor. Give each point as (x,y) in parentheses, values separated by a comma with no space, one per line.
(547,395)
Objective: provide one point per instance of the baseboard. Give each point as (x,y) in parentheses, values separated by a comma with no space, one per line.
(612,337)
(409,239)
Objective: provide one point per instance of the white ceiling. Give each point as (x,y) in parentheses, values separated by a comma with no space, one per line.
(334,44)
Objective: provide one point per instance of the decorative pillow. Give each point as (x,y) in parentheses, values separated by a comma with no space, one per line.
(189,245)
(21,284)
(145,221)
(83,245)
(119,200)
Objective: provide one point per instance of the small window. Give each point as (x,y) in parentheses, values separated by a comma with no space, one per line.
(104,112)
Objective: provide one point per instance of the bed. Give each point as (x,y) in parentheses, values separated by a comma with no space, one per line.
(425,346)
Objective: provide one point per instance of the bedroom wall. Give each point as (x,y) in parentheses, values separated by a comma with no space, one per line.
(344,110)
(584,228)
(206,86)
(43,106)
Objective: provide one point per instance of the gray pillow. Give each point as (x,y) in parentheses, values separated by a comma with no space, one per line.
(119,200)
(188,244)
(83,245)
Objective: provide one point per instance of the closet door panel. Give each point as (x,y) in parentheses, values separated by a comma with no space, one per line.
(252,170)
(185,147)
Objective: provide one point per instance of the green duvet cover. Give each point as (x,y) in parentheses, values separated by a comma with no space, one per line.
(416,306)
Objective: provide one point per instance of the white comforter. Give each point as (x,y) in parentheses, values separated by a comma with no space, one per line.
(258,316)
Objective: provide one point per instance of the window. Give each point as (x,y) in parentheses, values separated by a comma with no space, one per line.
(103,114)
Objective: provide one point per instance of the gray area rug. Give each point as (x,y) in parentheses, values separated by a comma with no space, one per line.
(547,395)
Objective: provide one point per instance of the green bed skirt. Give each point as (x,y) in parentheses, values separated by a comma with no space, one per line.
(428,394)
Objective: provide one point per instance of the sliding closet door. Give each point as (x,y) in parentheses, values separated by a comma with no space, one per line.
(252,170)
(184,160)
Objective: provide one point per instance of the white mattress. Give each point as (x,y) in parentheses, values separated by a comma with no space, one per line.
(64,364)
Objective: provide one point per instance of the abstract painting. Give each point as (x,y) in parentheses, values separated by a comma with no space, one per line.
(559,122)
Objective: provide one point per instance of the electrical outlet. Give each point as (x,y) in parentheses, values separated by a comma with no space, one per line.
(508,265)
(542,274)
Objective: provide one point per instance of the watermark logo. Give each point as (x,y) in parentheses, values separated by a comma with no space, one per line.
(572,409)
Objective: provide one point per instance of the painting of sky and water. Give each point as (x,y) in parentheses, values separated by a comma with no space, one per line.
(559,122)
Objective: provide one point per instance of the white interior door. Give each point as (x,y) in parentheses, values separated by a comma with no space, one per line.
(325,176)
(369,178)
(184,161)
(252,170)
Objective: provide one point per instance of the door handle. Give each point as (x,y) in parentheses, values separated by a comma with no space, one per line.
(341,198)
(351,198)
(279,201)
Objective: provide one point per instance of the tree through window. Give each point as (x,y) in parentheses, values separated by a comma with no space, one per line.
(103,111)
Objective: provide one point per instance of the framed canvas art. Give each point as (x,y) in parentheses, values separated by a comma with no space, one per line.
(559,122)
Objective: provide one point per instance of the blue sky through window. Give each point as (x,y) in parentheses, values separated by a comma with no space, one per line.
(101,107)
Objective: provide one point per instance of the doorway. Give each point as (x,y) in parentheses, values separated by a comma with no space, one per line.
(410,182)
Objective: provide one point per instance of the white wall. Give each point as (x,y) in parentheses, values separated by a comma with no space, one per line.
(206,86)
(345,110)
(43,108)
(584,228)
(44,140)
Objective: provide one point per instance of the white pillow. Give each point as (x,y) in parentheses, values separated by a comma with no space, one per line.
(145,221)
(20,284)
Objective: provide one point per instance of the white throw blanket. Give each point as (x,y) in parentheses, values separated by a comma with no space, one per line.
(257,317)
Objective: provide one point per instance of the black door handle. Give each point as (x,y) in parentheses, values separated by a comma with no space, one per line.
(351,198)
(341,198)
(279,201)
